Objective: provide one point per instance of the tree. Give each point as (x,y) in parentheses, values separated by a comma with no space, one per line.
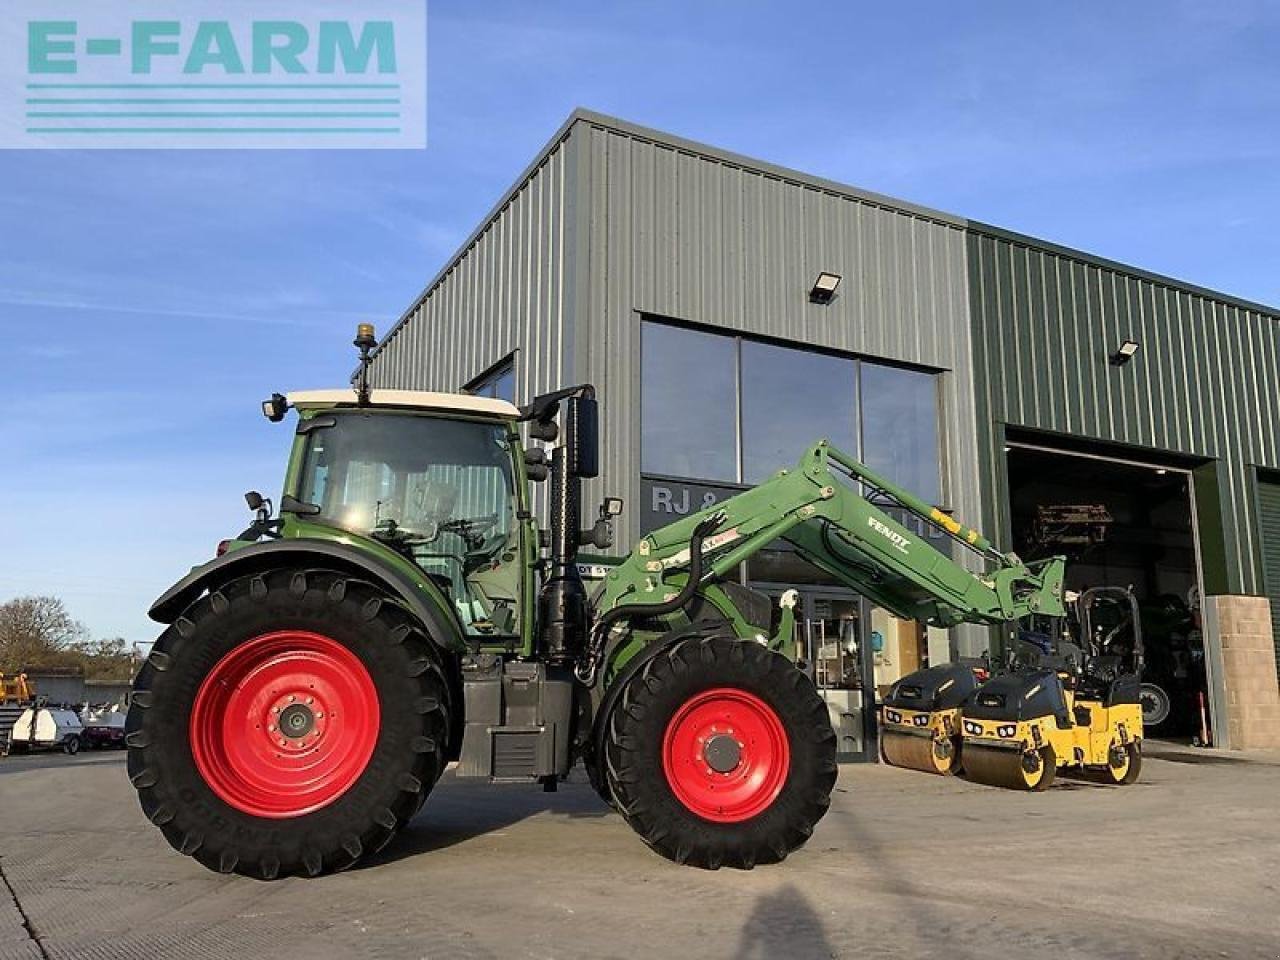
(107,661)
(37,630)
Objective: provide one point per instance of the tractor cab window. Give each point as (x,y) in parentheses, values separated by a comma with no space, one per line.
(436,491)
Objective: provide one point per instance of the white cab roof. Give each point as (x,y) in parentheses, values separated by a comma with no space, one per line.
(413,399)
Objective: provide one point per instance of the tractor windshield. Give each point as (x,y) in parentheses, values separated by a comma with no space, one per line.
(435,490)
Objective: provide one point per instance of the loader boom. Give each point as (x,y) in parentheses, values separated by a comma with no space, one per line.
(829,508)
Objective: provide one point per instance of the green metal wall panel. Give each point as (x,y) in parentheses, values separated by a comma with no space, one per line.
(1269,511)
(1205,383)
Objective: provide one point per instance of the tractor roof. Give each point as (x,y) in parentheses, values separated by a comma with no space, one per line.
(407,399)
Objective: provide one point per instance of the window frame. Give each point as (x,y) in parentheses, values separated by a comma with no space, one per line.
(491,375)
(858,360)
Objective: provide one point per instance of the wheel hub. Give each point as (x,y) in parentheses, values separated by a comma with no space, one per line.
(297,720)
(284,724)
(726,755)
(722,753)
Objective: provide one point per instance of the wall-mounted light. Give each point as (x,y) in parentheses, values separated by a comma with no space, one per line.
(824,288)
(1125,353)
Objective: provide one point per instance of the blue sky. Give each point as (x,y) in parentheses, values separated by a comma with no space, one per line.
(149,299)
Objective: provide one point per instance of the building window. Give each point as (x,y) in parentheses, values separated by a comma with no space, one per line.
(789,398)
(900,428)
(688,404)
(730,410)
(498,381)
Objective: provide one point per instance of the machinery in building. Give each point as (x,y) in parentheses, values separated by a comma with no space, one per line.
(47,728)
(921,715)
(1077,706)
(405,610)
(1080,526)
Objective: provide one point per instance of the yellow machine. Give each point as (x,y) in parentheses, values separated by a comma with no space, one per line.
(1021,727)
(920,718)
(16,688)
(1084,712)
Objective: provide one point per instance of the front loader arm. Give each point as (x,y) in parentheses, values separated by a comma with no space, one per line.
(817,508)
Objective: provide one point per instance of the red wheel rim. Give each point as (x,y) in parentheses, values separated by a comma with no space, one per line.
(725,755)
(284,724)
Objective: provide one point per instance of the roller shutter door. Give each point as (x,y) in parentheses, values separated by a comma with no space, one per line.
(1269,522)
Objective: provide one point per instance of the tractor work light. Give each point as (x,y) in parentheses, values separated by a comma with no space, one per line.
(365,337)
(1125,353)
(612,506)
(275,407)
(824,288)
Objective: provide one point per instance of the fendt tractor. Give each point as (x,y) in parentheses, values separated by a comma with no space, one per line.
(405,610)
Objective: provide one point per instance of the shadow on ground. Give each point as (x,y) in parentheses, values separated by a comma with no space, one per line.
(452,815)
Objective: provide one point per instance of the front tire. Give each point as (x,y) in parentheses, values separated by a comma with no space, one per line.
(288,723)
(719,752)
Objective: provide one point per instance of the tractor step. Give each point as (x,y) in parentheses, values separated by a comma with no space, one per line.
(518,719)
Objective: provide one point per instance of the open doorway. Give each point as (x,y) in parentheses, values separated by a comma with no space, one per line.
(1123,523)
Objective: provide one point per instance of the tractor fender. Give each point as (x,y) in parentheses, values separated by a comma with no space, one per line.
(422,598)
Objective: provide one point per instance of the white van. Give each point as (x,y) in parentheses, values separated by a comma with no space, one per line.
(46,728)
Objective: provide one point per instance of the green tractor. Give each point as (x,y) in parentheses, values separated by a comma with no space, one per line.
(405,610)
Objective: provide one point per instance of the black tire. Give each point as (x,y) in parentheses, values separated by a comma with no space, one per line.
(407,758)
(71,745)
(1157,706)
(634,766)
(1050,761)
(1131,771)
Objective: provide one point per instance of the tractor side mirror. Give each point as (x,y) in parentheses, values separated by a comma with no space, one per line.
(584,429)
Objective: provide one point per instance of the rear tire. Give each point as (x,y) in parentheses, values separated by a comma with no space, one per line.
(71,746)
(328,785)
(751,713)
(1157,705)
(1129,769)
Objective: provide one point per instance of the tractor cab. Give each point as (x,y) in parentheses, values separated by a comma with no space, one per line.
(434,478)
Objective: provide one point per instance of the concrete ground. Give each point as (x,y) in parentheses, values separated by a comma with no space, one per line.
(1185,864)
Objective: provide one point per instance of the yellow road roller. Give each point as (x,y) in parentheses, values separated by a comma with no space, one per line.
(920,718)
(1021,727)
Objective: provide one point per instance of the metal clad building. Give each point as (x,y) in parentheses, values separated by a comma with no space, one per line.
(1045,320)
(618,233)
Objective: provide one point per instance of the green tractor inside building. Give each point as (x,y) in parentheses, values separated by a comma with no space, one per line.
(405,610)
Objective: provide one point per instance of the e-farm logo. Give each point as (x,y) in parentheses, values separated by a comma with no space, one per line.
(200,73)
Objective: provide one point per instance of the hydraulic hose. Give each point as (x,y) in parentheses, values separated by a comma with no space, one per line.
(601,629)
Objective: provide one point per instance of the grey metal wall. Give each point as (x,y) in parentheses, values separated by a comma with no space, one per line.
(1206,382)
(503,292)
(682,231)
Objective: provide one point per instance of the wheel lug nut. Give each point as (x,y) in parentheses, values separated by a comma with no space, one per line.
(271,727)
